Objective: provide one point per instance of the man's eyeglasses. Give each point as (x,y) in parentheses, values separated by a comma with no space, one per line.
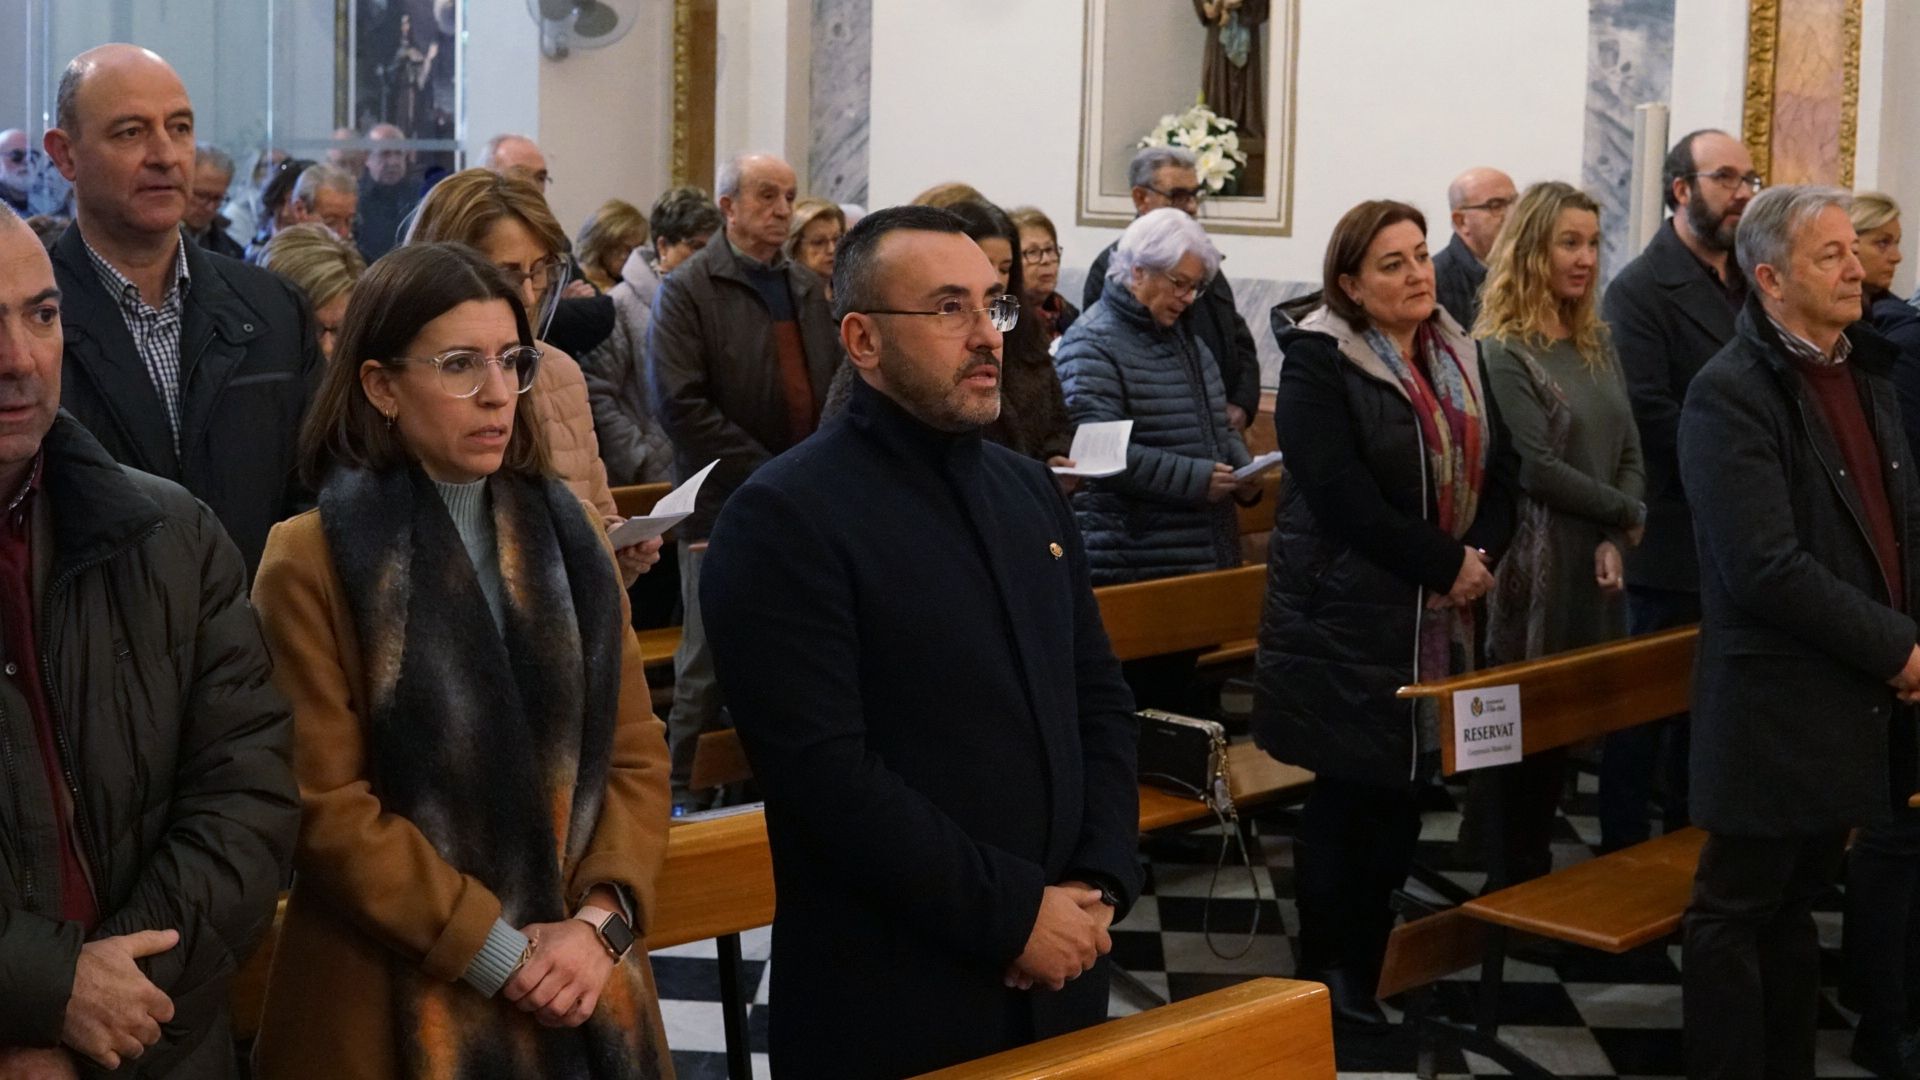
(1184,287)
(952,315)
(1498,205)
(462,372)
(1040,256)
(16,157)
(1728,180)
(1180,196)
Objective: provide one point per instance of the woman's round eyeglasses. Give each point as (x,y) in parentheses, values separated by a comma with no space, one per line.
(463,372)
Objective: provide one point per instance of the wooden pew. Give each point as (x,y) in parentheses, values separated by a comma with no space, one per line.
(247,993)
(637,500)
(1193,611)
(1615,902)
(1260,1029)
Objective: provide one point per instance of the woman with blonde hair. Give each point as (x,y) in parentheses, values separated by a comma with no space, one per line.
(609,236)
(1552,369)
(506,219)
(483,782)
(813,237)
(323,267)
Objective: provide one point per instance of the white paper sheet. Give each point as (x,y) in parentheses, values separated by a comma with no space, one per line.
(1257,466)
(673,508)
(1099,449)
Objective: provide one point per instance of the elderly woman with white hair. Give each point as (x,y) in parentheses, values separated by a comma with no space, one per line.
(1129,357)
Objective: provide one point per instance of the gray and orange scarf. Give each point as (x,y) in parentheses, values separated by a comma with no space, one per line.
(496,747)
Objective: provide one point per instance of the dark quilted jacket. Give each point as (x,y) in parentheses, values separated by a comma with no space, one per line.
(1152,520)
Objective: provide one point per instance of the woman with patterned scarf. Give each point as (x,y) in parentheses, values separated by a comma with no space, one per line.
(1397,502)
(1552,368)
(484,784)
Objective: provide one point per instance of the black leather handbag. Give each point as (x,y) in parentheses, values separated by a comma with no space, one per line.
(1187,756)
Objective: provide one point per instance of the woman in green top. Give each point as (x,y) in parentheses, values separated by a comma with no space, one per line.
(1553,371)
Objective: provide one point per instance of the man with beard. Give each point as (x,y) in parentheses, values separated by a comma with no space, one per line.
(902,617)
(1670,310)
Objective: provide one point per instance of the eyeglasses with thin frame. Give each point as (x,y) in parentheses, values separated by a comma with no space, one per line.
(1180,196)
(1728,180)
(953,316)
(1040,256)
(463,372)
(1499,204)
(545,273)
(1184,287)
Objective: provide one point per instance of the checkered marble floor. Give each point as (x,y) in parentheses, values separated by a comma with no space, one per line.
(1591,1015)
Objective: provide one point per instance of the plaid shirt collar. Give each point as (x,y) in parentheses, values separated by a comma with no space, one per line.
(1807,352)
(125,292)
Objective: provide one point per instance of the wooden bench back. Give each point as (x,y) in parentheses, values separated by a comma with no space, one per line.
(1573,696)
(1192,611)
(1262,1028)
(717,879)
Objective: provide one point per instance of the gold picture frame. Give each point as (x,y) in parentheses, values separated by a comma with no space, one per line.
(1759,130)
(695,28)
(1103,200)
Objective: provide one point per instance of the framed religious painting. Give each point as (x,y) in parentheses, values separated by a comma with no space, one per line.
(1215,77)
(403,66)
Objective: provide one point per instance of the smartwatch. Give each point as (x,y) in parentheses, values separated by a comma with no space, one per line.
(615,935)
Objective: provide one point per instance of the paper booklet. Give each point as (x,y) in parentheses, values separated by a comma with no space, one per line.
(1257,466)
(1099,449)
(673,508)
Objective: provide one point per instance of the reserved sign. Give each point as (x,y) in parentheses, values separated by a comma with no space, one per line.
(1486,727)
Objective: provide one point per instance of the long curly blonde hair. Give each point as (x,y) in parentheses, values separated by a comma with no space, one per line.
(1517,301)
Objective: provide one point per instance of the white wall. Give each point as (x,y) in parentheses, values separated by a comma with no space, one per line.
(1709,65)
(606,117)
(1386,107)
(503,73)
(761,79)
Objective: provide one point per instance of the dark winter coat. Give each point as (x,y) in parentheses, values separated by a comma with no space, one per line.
(1669,315)
(178,747)
(1899,322)
(1355,553)
(1458,275)
(714,375)
(1153,520)
(916,665)
(249,362)
(1213,319)
(1798,638)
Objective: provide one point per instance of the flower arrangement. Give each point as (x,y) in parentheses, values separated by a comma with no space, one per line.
(1213,140)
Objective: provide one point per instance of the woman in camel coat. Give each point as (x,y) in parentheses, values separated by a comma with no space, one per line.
(483,783)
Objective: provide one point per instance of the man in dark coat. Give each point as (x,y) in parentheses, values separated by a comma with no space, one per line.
(901,615)
(739,358)
(183,363)
(1479,200)
(1802,492)
(1670,310)
(150,805)
(1165,176)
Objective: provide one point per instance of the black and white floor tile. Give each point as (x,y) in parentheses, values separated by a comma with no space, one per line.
(1589,1016)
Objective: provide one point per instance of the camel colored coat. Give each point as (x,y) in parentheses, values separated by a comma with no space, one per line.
(369,885)
(565,414)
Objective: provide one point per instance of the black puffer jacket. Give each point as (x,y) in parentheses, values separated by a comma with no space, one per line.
(1354,554)
(179,748)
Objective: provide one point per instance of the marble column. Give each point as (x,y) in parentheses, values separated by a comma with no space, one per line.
(841,105)
(1629,63)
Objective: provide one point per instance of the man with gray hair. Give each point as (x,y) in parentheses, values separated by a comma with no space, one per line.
(330,196)
(738,361)
(205,225)
(1165,176)
(516,155)
(1478,200)
(1802,494)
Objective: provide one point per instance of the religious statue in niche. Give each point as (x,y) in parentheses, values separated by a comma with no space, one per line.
(1230,82)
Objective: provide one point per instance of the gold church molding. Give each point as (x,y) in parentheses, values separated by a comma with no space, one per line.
(694,27)
(1763,57)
